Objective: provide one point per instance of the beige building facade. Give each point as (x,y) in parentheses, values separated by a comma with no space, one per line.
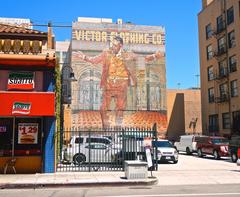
(183,112)
(219,47)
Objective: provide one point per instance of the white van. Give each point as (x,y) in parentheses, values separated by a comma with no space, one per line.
(187,143)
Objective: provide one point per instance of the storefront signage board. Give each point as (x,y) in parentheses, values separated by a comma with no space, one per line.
(21,81)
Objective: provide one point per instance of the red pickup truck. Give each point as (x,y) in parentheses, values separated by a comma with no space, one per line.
(212,145)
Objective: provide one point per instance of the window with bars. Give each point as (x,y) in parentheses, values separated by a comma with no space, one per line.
(222,68)
(209,52)
(234,88)
(211,95)
(226,121)
(223,90)
(220,24)
(221,45)
(231,39)
(232,63)
(208,31)
(210,73)
(213,123)
(230,15)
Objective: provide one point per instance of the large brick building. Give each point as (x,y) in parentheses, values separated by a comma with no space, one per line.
(219,24)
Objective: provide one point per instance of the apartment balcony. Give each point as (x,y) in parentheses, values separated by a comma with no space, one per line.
(221,27)
(221,51)
(224,97)
(223,74)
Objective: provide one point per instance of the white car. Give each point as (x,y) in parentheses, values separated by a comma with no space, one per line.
(165,151)
(90,152)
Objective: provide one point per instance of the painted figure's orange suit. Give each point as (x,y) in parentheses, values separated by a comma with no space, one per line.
(115,76)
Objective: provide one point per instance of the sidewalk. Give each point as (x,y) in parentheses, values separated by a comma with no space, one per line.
(87,179)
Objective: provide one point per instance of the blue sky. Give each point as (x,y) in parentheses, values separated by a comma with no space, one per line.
(178,17)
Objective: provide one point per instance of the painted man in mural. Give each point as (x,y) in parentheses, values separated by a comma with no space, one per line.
(116,77)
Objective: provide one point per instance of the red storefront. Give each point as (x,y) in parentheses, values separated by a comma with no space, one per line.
(27,100)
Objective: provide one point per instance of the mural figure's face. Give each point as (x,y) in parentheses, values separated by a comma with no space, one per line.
(116,46)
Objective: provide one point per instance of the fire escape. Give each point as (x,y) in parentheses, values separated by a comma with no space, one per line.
(221,77)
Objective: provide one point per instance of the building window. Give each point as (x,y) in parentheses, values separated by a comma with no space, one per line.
(208,31)
(231,39)
(213,123)
(234,88)
(209,52)
(230,16)
(6,136)
(221,45)
(211,95)
(222,69)
(236,114)
(226,121)
(232,63)
(223,92)
(236,121)
(220,24)
(210,73)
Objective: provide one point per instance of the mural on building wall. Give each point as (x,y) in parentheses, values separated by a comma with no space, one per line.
(119,87)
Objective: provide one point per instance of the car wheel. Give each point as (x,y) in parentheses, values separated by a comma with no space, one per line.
(234,157)
(175,161)
(216,154)
(199,152)
(79,159)
(188,151)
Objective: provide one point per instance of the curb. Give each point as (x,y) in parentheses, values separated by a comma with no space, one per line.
(153,181)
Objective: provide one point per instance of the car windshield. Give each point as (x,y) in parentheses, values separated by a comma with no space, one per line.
(162,144)
(220,141)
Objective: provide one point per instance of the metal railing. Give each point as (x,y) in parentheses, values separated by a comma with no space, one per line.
(101,149)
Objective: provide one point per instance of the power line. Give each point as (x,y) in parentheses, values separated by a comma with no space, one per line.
(50,25)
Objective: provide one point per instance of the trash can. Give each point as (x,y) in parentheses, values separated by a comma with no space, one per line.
(136,169)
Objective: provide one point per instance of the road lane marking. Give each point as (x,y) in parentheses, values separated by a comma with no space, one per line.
(173,195)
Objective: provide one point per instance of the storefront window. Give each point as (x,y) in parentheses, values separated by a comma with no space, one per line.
(6,135)
(28,136)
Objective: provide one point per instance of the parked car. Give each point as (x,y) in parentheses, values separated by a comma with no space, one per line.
(187,143)
(89,148)
(234,145)
(78,140)
(165,151)
(238,160)
(90,152)
(212,145)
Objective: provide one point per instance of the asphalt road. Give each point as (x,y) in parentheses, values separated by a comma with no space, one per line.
(143,191)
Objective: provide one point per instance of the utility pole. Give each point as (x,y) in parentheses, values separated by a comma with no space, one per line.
(178,84)
(197,76)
